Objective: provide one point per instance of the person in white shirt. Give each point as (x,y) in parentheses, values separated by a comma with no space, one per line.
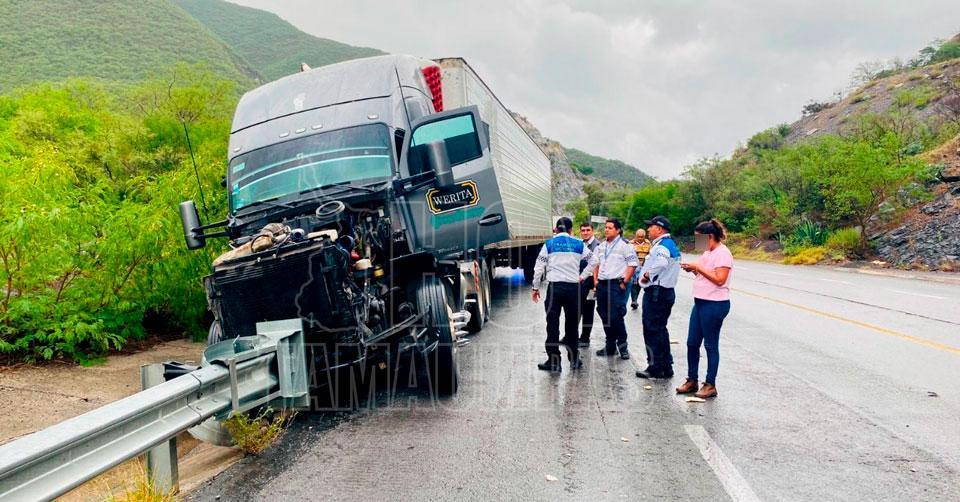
(613,264)
(588,301)
(559,265)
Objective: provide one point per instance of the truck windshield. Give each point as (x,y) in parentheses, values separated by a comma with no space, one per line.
(359,153)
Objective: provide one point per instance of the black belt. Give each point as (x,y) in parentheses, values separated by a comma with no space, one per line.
(618,279)
(655,286)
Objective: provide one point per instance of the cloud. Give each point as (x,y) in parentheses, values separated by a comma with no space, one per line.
(656,84)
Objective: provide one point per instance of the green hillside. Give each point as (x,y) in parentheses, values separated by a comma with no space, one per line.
(116,40)
(613,170)
(271,45)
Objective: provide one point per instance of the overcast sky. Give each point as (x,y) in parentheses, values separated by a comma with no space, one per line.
(657,84)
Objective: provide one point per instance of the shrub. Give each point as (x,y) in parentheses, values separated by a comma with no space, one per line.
(255,434)
(806,256)
(810,233)
(845,241)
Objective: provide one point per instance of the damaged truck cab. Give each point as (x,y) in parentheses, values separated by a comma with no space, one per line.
(361,206)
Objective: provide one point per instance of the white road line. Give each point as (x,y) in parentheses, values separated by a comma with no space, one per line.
(908,293)
(836,281)
(729,477)
(778,273)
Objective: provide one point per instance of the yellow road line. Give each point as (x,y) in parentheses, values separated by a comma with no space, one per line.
(878,329)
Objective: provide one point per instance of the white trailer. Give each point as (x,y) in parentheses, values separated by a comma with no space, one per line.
(523,170)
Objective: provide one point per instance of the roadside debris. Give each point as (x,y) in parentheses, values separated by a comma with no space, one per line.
(931,393)
(625,440)
(551,478)
(693,399)
(647,387)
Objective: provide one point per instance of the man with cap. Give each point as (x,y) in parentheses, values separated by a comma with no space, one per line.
(658,278)
(559,265)
(588,303)
(612,266)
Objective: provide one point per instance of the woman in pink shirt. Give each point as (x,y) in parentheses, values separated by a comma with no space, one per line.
(711,304)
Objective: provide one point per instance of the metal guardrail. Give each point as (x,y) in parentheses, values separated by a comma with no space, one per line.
(236,375)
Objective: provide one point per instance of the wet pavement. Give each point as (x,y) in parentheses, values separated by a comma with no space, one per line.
(833,385)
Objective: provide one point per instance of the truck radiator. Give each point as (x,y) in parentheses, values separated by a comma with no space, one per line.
(305,283)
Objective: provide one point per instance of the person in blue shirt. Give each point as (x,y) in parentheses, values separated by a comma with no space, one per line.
(658,278)
(559,265)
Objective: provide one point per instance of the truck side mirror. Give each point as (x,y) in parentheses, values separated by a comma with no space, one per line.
(191,225)
(436,152)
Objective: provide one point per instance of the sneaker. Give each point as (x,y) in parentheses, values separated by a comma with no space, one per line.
(575,365)
(707,391)
(688,387)
(607,352)
(624,354)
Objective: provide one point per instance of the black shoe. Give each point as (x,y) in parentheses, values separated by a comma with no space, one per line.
(633,306)
(551,366)
(655,373)
(583,344)
(624,354)
(575,365)
(607,352)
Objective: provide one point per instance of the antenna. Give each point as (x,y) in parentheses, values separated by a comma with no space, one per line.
(403,98)
(196,172)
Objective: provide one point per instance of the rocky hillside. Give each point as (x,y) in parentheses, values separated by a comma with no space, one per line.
(568,182)
(924,101)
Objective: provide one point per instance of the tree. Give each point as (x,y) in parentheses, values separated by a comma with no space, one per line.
(857,177)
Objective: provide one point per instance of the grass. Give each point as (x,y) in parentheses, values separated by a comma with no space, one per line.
(806,256)
(139,489)
(254,434)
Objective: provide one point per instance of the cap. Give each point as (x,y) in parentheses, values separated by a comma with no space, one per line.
(660,221)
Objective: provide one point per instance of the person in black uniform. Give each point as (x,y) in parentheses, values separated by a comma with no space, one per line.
(588,301)
(559,265)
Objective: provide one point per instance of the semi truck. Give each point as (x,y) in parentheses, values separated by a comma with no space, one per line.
(372,199)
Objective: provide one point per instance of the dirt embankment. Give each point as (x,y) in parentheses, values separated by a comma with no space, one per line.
(39,396)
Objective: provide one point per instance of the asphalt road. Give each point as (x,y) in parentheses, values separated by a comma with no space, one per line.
(833,385)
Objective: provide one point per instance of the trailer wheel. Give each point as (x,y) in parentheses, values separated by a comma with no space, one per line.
(215,333)
(442,360)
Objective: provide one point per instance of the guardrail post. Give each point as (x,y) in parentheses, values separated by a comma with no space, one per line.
(161,459)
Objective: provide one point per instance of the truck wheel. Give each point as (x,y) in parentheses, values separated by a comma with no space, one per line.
(215,334)
(529,261)
(478,309)
(442,361)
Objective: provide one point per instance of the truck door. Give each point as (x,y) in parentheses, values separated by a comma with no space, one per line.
(469,214)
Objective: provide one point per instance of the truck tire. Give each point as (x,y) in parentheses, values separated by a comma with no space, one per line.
(442,377)
(479,311)
(215,333)
(529,260)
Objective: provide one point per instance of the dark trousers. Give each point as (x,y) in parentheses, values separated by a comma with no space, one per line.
(706,318)
(634,292)
(612,306)
(562,296)
(657,304)
(587,309)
